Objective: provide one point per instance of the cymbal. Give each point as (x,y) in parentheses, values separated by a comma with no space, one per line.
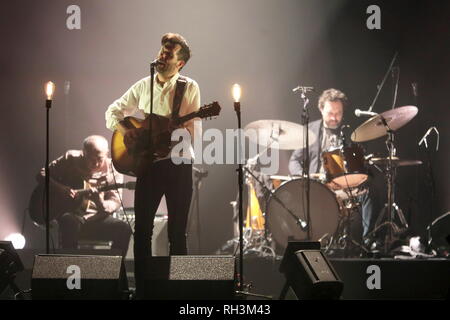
(289,135)
(395,161)
(374,128)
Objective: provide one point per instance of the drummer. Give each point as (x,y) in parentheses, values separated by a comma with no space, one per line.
(327,130)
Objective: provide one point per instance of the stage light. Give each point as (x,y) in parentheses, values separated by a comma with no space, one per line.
(18,240)
(236,91)
(49,90)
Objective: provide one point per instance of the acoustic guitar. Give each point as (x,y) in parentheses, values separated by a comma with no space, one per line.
(61,203)
(132,159)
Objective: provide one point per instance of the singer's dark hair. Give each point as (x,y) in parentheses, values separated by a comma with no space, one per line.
(174,38)
(332,95)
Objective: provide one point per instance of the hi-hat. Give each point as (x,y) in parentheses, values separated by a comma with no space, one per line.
(278,134)
(375,128)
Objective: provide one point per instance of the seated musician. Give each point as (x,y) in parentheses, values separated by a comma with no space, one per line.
(328,132)
(88,216)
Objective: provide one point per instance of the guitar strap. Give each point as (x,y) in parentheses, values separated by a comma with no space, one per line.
(179,92)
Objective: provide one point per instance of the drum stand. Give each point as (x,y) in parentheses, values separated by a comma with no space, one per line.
(258,242)
(391,208)
(343,238)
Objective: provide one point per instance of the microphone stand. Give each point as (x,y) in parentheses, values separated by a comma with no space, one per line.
(150,124)
(305,118)
(396,78)
(430,177)
(382,83)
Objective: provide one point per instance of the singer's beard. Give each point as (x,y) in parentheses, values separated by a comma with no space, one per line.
(166,69)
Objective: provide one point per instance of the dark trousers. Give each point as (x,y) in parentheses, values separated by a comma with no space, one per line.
(175,182)
(72,228)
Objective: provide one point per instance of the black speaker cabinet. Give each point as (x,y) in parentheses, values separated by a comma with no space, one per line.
(190,277)
(75,277)
(311,276)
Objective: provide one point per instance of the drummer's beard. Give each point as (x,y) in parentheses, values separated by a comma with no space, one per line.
(332,124)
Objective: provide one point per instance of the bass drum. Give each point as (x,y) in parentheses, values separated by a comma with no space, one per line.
(288,204)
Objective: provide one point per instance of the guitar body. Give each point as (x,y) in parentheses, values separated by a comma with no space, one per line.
(134,159)
(59,204)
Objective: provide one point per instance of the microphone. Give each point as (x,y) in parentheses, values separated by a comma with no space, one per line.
(155,62)
(303,89)
(360,113)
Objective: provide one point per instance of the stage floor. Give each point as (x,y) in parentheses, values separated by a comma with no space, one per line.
(363,279)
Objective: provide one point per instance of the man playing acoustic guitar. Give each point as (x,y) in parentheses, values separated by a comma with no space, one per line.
(161,176)
(81,207)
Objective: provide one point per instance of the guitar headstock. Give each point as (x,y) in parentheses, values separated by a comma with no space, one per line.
(209,110)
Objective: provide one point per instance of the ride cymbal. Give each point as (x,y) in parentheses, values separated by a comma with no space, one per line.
(374,127)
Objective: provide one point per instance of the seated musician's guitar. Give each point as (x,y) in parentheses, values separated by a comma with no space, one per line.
(133,159)
(61,203)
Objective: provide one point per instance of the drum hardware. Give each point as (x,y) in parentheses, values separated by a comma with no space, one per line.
(256,238)
(258,241)
(342,243)
(288,136)
(396,162)
(377,126)
(351,208)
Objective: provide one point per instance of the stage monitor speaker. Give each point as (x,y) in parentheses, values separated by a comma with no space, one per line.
(309,273)
(191,278)
(74,277)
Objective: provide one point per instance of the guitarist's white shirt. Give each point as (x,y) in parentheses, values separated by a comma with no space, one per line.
(137,99)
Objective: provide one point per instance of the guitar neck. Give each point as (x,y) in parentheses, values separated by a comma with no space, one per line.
(185,118)
(83,192)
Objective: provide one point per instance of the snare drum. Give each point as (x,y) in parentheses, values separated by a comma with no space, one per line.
(345,166)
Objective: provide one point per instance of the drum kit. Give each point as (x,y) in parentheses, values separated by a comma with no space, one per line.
(334,196)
